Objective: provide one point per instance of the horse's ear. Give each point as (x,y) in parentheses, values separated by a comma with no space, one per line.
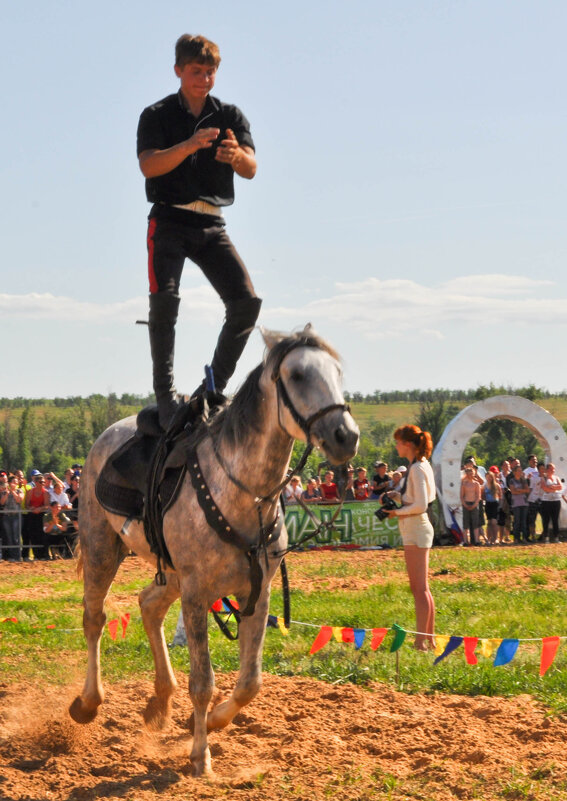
(271,338)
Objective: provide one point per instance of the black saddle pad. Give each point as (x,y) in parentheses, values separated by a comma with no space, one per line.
(122,485)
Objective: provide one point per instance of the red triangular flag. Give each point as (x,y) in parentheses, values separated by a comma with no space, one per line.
(325,634)
(9,620)
(125,619)
(470,644)
(348,635)
(50,626)
(377,637)
(113,628)
(217,606)
(548,650)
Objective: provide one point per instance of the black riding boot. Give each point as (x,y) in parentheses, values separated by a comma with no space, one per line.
(240,319)
(163,316)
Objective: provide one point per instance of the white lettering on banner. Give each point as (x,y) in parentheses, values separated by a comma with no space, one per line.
(356,523)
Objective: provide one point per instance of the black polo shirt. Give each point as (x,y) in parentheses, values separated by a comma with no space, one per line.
(199,176)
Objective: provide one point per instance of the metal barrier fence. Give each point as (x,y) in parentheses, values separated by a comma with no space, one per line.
(6,549)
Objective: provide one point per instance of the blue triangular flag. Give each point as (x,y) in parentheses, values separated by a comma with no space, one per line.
(359,635)
(272,622)
(506,652)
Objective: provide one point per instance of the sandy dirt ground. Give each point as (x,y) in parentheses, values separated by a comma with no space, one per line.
(299,739)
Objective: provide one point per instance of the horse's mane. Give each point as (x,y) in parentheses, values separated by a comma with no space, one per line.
(243,413)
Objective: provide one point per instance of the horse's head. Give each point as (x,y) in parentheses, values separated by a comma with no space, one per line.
(307,375)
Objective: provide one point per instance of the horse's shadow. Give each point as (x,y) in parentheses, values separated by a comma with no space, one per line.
(158,782)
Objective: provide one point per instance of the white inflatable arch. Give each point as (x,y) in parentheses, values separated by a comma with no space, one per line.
(448,455)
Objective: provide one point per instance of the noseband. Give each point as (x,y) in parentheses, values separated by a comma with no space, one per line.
(304,423)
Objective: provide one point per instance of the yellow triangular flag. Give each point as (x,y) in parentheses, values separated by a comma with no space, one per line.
(441,641)
(338,633)
(487,646)
(282,628)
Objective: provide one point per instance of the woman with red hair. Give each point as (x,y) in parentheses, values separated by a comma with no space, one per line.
(417,493)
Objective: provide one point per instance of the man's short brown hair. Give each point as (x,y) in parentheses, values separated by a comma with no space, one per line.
(190,48)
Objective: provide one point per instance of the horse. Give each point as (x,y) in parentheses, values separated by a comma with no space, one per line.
(243,454)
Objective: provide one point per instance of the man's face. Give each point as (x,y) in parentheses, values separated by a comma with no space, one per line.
(197,80)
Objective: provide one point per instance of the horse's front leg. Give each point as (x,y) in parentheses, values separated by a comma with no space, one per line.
(201,678)
(252,631)
(154,602)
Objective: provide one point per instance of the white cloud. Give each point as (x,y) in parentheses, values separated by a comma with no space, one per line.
(201,303)
(374,309)
(399,307)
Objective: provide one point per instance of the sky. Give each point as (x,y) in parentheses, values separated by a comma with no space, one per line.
(410,199)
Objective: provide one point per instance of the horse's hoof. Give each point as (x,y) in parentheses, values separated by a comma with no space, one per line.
(80,713)
(220,715)
(157,713)
(201,767)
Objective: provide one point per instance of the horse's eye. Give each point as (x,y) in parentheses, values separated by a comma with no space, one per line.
(297,376)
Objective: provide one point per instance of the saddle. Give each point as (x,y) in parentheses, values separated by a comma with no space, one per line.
(141,480)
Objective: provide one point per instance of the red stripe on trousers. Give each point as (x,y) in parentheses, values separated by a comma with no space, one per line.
(151,273)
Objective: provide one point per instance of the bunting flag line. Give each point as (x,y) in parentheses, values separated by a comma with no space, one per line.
(503,649)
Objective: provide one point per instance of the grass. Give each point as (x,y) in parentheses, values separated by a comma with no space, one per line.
(477,592)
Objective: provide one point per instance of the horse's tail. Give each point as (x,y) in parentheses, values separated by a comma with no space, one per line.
(79,558)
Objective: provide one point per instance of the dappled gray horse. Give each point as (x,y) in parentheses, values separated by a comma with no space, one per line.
(243,454)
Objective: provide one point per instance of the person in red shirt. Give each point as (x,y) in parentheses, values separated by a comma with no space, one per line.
(329,488)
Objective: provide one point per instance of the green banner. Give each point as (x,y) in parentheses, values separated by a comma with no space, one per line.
(356,524)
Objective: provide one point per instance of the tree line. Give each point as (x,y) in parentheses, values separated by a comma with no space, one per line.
(56,433)
(482,392)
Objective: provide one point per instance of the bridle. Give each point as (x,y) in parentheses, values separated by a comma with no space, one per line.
(304,423)
(283,395)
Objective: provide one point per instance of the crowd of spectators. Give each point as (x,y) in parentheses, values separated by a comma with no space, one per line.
(502,504)
(38,516)
(322,488)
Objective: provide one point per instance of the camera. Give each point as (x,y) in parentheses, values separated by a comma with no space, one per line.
(388,503)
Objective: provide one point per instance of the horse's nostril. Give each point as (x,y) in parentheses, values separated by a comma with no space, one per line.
(341,434)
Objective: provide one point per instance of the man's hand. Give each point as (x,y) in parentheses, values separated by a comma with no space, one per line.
(228,150)
(203,138)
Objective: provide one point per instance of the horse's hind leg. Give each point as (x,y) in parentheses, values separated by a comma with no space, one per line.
(101,555)
(252,631)
(154,601)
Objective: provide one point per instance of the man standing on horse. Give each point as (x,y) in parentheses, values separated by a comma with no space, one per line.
(189,147)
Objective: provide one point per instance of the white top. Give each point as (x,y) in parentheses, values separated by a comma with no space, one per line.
(420,489)
(291,493)
(535,485)
(61,498)
(547,493)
